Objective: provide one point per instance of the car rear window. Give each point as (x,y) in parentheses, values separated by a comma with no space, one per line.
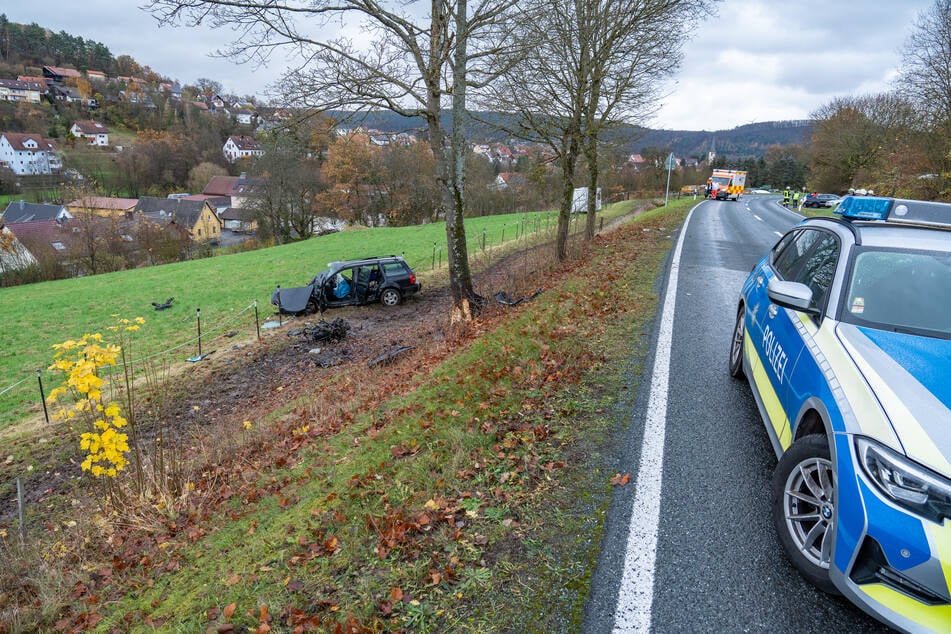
(394,268)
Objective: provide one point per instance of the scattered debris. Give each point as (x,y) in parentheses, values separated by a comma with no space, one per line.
(387,357)
(324,330)
(334,357)
(167,304)
(506,299)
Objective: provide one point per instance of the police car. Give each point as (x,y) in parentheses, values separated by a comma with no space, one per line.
(843,331)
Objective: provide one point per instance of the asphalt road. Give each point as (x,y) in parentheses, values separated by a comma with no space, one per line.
(688,545)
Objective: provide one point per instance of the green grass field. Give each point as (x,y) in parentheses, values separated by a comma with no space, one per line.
(37,316)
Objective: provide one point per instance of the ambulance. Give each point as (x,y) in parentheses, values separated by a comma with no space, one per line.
(726,184)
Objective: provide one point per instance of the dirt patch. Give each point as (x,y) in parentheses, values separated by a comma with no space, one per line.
(249,380)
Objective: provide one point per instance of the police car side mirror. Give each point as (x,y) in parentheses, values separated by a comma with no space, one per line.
(794,295)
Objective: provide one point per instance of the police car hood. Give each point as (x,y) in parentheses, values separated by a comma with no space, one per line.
(911,377)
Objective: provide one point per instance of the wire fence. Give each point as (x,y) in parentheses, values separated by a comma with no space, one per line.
(200,335)
(23,397)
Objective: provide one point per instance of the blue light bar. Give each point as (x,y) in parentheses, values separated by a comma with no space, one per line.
(864,207)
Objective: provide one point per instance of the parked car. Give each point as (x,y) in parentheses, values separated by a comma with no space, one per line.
(819,200)
(843,332)
(387,280)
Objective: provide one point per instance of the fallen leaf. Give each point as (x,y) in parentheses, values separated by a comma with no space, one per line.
(229,611)
(233,579)
(620,480)
(396,595)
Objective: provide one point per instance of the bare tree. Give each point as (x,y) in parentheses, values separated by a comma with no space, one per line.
(926,76)
(410,65)
(926,67)
(583,66)
(633,45)
(282,202)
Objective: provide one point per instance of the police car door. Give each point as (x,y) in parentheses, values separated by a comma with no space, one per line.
(804,378)
(773,330)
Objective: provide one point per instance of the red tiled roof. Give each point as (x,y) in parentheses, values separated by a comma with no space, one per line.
(16,140)
(220,186)
(104,202)
(91,127)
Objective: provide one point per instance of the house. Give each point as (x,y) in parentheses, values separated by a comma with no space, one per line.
(102,206)
(239,220)
(172,89)
(26,153)
(244,116)
(44,240)
(221,186)
(59,75)
(239,147)
(71,94)
(41,82)
(14,256)
(97,133)
(20,211)
(197,217)
(237,188)
(218,203)
(16,90)
(508,179)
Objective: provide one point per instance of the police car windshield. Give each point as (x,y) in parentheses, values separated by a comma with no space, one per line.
(900,290)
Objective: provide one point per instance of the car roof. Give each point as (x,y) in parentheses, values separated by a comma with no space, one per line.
(884,234)
(383,258)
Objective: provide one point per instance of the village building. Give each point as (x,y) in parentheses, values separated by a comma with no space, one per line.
(96,133)
(196,217)
(241,147)
(26,153)
(102,206)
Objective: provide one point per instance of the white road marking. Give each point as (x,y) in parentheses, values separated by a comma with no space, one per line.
(757,217)
(778,233)
(636,593)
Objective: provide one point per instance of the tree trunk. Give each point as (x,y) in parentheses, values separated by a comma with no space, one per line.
(569,158)
(457,253)
(591,154)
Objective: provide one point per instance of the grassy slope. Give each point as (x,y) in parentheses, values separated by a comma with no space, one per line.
(38,315)
(472,502)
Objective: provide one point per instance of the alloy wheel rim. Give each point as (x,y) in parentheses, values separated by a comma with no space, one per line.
(809,510)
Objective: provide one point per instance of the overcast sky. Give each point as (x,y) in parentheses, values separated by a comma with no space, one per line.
(757,60)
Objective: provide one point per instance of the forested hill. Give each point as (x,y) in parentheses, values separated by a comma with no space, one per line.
(751,140)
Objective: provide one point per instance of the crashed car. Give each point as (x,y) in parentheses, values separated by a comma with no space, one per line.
(387,280)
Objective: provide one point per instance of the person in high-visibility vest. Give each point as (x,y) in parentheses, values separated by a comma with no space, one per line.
(786,197)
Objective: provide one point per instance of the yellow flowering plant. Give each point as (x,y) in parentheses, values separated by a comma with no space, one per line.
(105,443)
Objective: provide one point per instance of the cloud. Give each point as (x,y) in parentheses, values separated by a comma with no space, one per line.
(757,60)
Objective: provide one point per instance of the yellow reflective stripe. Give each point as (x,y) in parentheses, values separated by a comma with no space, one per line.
(934,617)
(774,409)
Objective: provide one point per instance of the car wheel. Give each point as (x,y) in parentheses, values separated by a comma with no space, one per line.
(803,508)
(736,344)
(390,297)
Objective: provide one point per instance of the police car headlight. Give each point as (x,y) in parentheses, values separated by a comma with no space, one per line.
(906,483)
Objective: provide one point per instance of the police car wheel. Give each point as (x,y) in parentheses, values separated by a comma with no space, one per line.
(803,497)
(736,344)
(390,297)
